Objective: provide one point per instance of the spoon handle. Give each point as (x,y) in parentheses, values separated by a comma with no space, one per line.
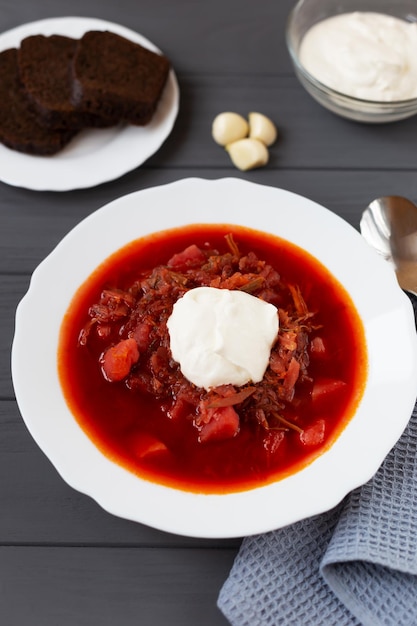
(413,299)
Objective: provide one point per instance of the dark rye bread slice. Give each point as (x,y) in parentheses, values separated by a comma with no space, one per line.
(114,76)
(20,128)
(45,68)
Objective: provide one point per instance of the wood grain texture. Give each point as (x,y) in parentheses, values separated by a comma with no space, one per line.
(63,560)
(107,586)
(233,36)
(29,233)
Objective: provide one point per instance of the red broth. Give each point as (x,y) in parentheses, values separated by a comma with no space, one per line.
(134,429)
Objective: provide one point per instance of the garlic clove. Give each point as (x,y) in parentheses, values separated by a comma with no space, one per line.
(262,128)
(246,154)
(228,127)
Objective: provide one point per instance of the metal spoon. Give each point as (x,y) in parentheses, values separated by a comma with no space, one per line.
(389,224)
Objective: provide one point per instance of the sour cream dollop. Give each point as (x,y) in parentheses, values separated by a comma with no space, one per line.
(372,56)
(222,336)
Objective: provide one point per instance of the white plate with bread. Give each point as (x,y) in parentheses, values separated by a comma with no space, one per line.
(92,155)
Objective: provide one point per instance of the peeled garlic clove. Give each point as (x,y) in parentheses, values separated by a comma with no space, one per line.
(228,127)
(262,128)
(246,154)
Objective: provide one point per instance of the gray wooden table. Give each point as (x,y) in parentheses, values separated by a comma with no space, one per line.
(63,560)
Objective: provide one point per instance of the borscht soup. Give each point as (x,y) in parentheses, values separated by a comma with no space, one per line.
(236,430)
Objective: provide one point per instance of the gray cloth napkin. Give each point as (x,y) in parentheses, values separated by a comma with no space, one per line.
(356,564)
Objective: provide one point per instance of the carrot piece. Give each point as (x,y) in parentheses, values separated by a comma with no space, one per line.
(314,434)
(326,386)
(117,361)
(190,257)
(147,445)
(223,424)
(317,347)
(231,399)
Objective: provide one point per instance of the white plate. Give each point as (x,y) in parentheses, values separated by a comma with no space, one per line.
(94,156)
(379,421)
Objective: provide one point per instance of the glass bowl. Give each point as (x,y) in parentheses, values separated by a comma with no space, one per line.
(304,15)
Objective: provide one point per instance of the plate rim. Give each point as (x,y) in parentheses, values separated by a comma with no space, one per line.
(222,508)
(63,171)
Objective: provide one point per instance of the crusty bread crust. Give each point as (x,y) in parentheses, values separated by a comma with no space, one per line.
(117,77)
(52,87)
(45,69)
(20,128)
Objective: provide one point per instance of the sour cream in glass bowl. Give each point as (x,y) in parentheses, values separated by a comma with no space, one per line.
(357,59)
